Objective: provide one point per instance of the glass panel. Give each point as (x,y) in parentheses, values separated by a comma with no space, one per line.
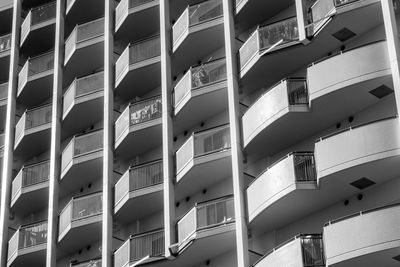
(147,245)
(43,13)
(136,3)
(41,63)
(36,173)
(182,88)
(91,263)
(145,111)
(220,211)
(121,256)
(144,50)
(208,73)
(297,92)
(187,225)
(87,206)
(285,31)
(212,141)
(184,154)
(180,26)
(145,176)
(205,11)
(90,30)
(33,235)
(344,2)
(5,42)
(89,84)
(312,249)
(88,143)
(37,117)
(122,63)
(249,49)
(3,91)
(304,167)
(122,123)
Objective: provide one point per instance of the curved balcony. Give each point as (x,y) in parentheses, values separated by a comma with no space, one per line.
(369,238)
(38,29)
(82,160)
(139,64)
(141,248)
(203,160)
(206,231)
(139,127)
(79,11)
(84,48)
(140,186)
(29,190)
(3,102)
(300,251)
(277,188)
(35,80)
(27,247)
(205,83)
(364,151)
(84,96)
(197,33)
(130,13)
(32,132)
(80,222)
(276,112)
(5,48)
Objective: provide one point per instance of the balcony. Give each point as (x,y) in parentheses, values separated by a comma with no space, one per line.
(201,84)
(197,33)
(302,251)
(38,29)
(275,113)
(328,31)
(203,160)
(29,190)
(142,248)
(35,80)
(5,48)
(139,64)
(267,39)
(139,126)
(3,102)
(368,238)
(80,11)
(140,186)
(89,263)
(27,247)
(32,132)
(130,13)
(277,188)
(84,48)
(82,160)
(80,222)
(206,231)
(83,96)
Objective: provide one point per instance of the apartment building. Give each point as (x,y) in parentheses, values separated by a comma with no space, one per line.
(189,133)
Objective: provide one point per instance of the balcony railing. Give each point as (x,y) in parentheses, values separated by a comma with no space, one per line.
(136,53)
(82,33)
(5,42)
(89,263)
(267,37)
(206,215)
(30,175)
(82,87)
(81,145)
(36,16)
(194,15)
(318,14)
(33,118)
(33,66)
(140,246)
(140,112)
(123,7)
(344,2)
(199,76)
(3,91)
(312,252)
(27,237)
(80,208)
(139,177)
(203,143)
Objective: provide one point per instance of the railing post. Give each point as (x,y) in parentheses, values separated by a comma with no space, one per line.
(236,142)
(301,14)
(9,131)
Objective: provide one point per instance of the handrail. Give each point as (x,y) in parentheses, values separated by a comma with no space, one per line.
(355,127)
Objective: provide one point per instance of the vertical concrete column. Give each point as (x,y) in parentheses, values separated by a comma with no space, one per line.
(167,127)
(9,132)
(301,12)
(108,138)
(55,151)
(236,143)
(392,39)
